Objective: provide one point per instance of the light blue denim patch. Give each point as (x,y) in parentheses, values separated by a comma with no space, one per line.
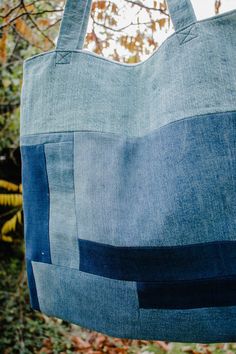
(62,219)
(91,301)
(74,296)
(173,187)
(117,157)
(93,93)
(160,189)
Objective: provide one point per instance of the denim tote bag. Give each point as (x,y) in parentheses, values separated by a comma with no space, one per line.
(129,182)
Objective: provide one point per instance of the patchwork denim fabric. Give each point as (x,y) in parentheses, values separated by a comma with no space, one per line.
(129,182)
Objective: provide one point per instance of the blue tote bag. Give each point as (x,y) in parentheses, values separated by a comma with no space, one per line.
(129,182)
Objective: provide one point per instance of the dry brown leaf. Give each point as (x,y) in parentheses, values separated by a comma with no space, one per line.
(162,22)
(163,345)
(3,47)
(80,343)
(217,6)
(153,26)
(114,8)
(101,5)
(45,350)
(25,31)
(163,6)
(43,22)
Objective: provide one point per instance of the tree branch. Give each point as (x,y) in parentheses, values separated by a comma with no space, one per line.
(121,28)
(26,13)
(147,7)
(29,15)
(10,11)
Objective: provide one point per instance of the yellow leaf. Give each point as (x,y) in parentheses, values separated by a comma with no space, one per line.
(7,238)
(132,59)
(4,199)
(6,83)
(10,225)
(19,218)
(9,186)
(153,26)
(11,199)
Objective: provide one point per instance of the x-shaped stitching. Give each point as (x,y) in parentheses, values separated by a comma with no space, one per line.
(63,57)
(187,34)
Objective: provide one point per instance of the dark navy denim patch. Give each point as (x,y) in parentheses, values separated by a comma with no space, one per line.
(34,302)
(177,277)
(187,294)
(36,203)
(36,212)
(164,263)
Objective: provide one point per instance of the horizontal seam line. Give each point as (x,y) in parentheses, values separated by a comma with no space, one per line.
(127,136)
(159,247)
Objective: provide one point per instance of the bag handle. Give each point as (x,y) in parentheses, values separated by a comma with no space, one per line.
(76,16)
(74,25)
(182,13)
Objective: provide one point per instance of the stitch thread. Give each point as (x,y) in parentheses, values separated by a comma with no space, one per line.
(63,57)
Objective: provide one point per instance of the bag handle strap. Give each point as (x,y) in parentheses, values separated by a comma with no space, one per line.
(74,24)
(76,16)
(182,13)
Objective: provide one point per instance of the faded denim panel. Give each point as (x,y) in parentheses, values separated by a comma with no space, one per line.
(160,263)
(200,325)
(92,93)
(74,24)
(36,99)
(91,301)
(175,186)
(181,13)
(36,139)
(134,157)
(62,222)
(115,313)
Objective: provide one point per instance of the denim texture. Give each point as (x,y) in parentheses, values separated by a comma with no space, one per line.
(199,261)
(36,212)
(116,311)
(34,301)
(62,220)
(174,186)
(34,176)
(177,81)
(96,302)
(129,182)
(211,292)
